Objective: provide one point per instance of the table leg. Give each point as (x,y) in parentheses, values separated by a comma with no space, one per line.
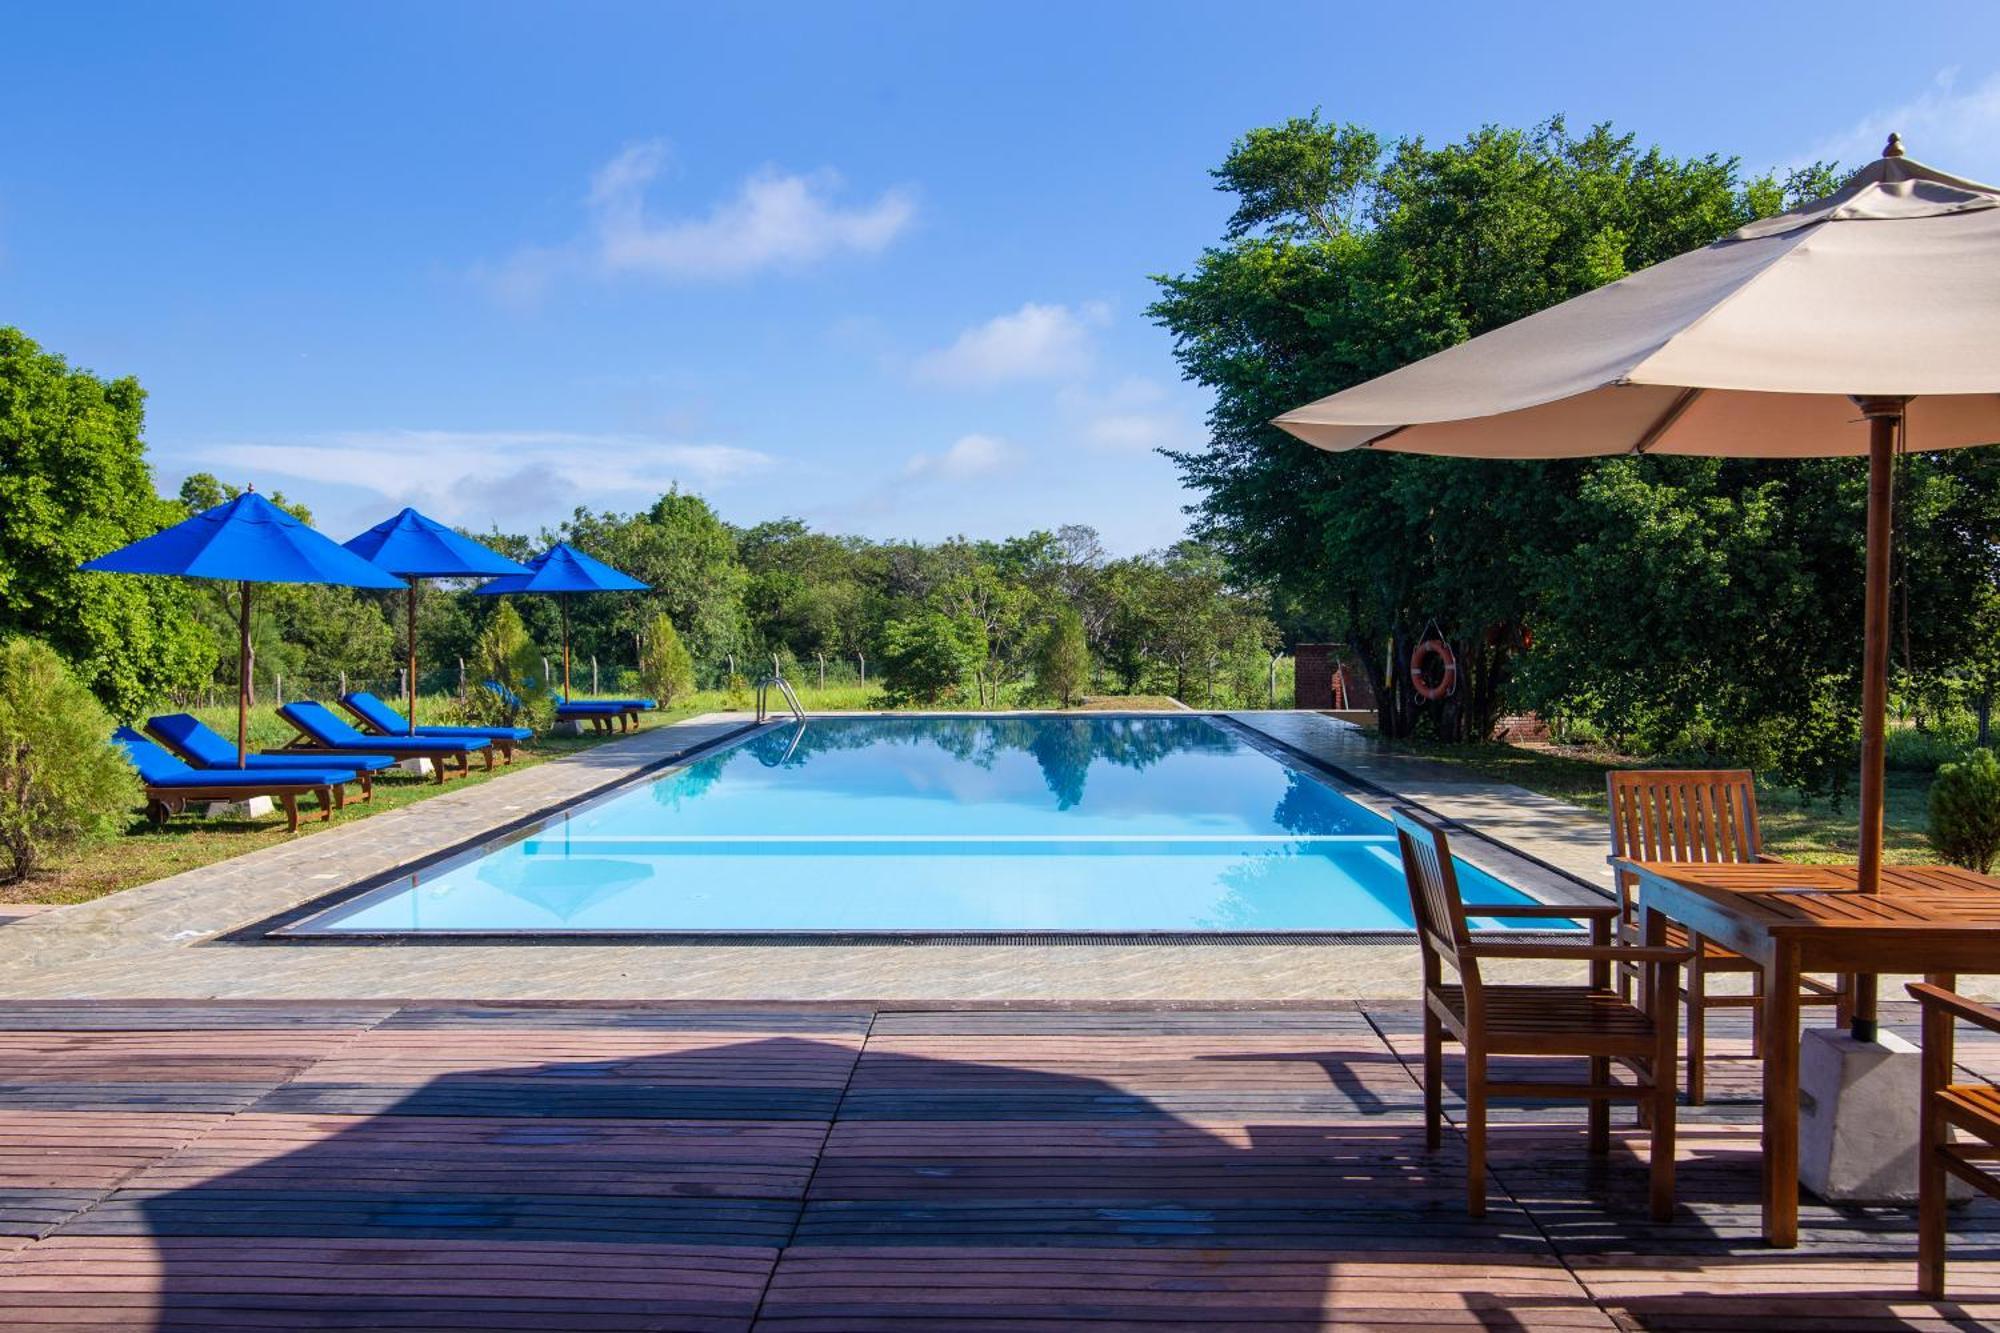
(1780,1018)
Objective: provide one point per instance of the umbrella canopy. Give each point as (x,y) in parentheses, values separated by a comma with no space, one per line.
(562,569)
(1825,331)
(247,540)
(1755,346)
(412,546)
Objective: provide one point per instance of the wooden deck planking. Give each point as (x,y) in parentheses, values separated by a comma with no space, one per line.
(463,1166)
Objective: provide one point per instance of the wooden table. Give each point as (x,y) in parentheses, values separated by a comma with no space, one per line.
(1793,919)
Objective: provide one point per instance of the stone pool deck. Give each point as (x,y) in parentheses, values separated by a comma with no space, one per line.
(162,940)
(240,1165)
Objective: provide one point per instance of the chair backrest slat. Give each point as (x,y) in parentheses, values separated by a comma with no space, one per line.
(1707,815)
(1434,895)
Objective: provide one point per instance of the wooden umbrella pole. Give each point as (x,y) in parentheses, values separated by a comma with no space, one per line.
(562,601)
(243,676)
(411,688)
(1885,418)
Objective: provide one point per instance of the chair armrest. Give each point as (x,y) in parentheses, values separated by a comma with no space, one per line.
(1973,1012)
(1768,859)
(1589,912)
(1610,953)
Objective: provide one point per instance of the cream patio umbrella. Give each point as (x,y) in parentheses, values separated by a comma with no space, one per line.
(1825,331)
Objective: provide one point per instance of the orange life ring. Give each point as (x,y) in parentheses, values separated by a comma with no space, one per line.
(1426,654)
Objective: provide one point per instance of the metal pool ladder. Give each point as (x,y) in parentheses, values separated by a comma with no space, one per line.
(784,688)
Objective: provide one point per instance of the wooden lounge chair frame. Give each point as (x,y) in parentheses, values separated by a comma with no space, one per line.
(1972,1109)
(162,803)
(1591,1021)
(366,778)
(504,744)
(1709,816)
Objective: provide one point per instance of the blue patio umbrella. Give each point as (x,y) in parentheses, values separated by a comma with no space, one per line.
(247,540)
(562,570)
(414,547)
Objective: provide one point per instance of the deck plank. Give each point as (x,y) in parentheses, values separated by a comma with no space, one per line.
(579,1166)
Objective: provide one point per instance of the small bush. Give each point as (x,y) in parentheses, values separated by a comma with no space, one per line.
(736,693)
(666,672)
(505,654)
(1912,751)
(1965,811)
(926,658)
(62,782)
(1062,659)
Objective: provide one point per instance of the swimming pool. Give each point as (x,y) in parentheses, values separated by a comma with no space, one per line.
(936,824)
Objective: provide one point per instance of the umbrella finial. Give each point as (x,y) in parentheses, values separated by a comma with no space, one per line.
(1893,148)
(250,489)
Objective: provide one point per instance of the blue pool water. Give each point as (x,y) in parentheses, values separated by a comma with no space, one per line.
(938,824)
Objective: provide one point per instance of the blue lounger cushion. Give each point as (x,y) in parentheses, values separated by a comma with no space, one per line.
(322,727)
(162,771)
(625,705)
(377,714)
(589,708)
(202,746)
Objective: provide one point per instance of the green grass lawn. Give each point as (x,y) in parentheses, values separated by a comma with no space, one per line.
(1793,828)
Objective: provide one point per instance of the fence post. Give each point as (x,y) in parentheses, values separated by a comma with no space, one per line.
(1271,683)
(461,678)
(402,682)
(864,666)
(593,674)
(343,682)
(822,672)
(732,665)
(278,687)
(545,673)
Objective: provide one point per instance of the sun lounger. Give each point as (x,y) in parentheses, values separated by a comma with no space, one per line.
(377,718)
(171,784)
(195,742)
(600,713)
(322,732)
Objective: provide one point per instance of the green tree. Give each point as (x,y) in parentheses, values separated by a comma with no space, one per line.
(1062,658)
(62,783)
(1345,260)
(928,657)
(666,671)
(75,484)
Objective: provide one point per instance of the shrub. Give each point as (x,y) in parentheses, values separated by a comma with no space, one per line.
(666,671)
(1965,811)
(62,782)
(736,693)
(1062,658)
(928,656)
(504,653)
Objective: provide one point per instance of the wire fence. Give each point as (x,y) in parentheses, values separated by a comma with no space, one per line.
(590,675)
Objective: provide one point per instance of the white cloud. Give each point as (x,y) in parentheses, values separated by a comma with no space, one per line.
(1955,129)
(1133,416)
(969,457)
(481,477)
(775,219)
(1035,342)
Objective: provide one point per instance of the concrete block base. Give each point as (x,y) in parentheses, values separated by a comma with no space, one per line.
(420,767)
(1858,1117)
(567,727)
(254,808)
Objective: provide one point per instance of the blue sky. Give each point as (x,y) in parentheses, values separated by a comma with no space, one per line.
(883,267)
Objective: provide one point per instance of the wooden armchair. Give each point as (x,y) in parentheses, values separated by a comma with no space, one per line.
(1591,1021)
(1973,1109)
(1705,815)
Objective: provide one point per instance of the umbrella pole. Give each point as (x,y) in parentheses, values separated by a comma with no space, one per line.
(1885,419)
(243,677)
(411,687)
(562,600)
